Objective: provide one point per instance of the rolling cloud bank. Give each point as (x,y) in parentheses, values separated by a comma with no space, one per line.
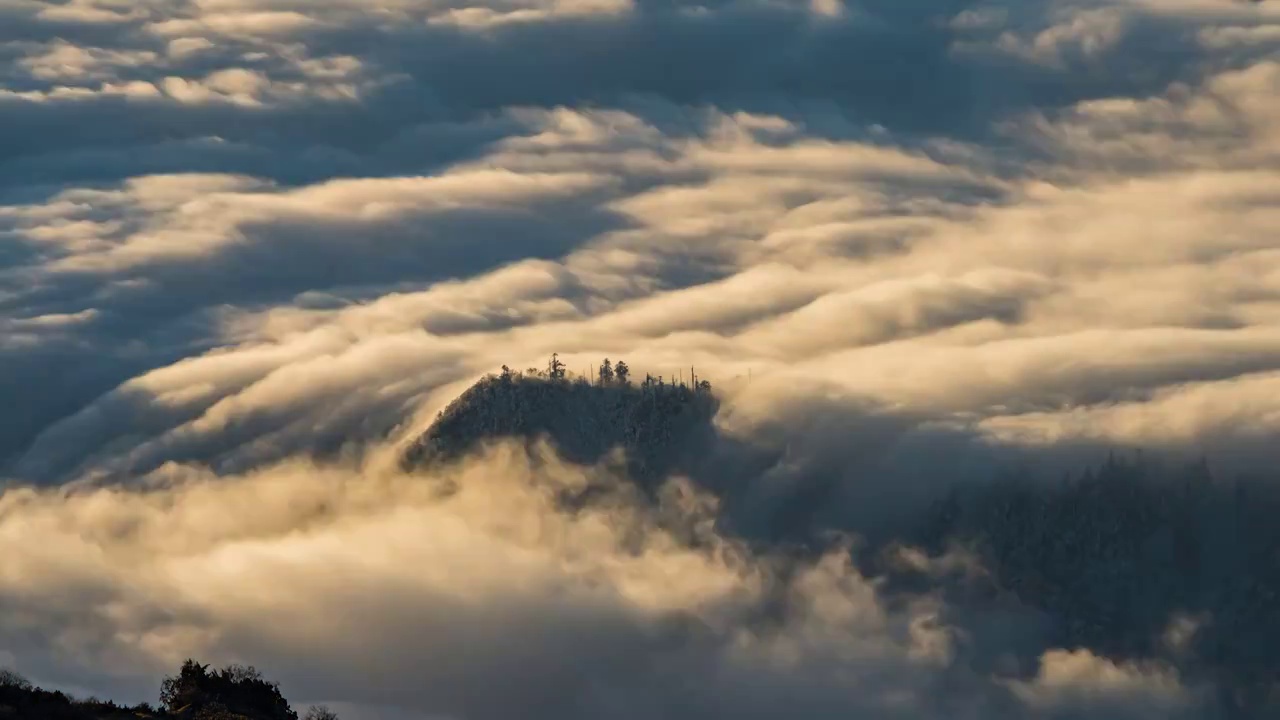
(249,249)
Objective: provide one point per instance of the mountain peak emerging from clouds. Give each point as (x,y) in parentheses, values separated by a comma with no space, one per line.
(658,425)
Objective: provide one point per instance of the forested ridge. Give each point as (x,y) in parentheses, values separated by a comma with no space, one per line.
(658,424)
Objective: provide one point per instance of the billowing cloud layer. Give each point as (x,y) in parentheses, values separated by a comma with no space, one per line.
(365,587)
(252,245)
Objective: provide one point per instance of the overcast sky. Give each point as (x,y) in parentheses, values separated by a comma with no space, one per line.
(238,235)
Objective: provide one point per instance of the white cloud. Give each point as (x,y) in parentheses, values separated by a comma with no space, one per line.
(187,217)
(1071,677)
(308,565)
(1081,36)
(63,61)
(94,12)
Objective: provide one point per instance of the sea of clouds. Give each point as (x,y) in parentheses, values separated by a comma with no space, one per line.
(248,248)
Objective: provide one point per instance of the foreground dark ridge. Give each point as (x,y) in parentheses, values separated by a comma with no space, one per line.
(235,692)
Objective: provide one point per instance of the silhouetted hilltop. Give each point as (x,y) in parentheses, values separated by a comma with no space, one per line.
(660,426)
(20,701)
(235,692)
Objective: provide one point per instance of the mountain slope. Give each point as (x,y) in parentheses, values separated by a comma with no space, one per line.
(661,428)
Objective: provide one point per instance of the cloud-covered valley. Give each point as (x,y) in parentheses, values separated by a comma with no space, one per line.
(250,248)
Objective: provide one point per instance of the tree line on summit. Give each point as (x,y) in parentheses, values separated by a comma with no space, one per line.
(607,373)
(658,424)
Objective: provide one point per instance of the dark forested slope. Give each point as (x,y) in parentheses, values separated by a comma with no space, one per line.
(661,427)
